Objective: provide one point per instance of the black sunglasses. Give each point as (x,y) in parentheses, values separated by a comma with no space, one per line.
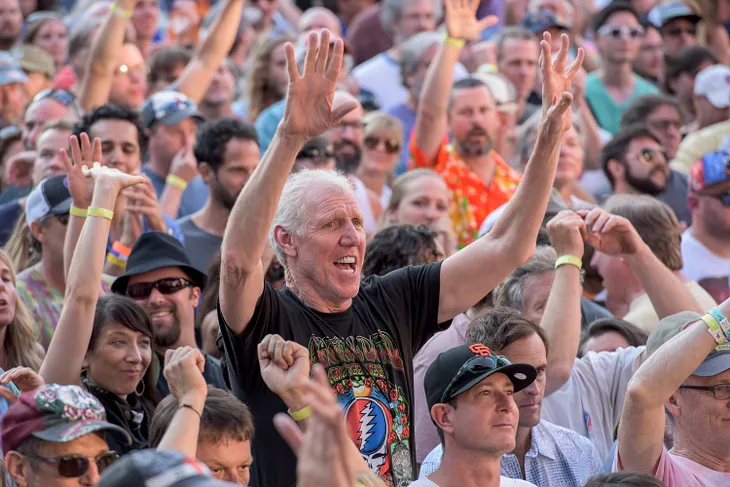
(474,366)
(391,146)
(678,31)
(63,97)
(73,466)
(168,285)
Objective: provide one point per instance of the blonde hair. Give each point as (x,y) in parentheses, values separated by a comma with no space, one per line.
(259,92)
(401,183)
(20,249)
(380,120)
(20,348)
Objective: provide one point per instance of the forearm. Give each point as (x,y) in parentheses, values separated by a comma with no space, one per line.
(562,325)
(666,292)
(170,200)
(73,232)
(97,81)
(71,338)
(222,34)
(434,100)
(184,429)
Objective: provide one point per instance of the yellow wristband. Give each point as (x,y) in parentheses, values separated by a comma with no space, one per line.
(569,260)
(176,181)
(101,212)
(714,329)
(83,213)
(454,42)
(113,259)
(301,414)
(120,12)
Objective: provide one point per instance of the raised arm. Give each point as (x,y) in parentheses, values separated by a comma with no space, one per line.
(197,75)
(461,25)
(95,86)
(641,430)
(309,112)
(70,341)
(561,320)
(614,235)
(468,275)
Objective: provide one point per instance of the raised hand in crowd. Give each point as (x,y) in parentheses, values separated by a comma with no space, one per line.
(557,81)
(24,378)
(184,373)
(19,170)
(610,234)
(327,457)
(142,202)
(461,19)
(185,167)
(285,369)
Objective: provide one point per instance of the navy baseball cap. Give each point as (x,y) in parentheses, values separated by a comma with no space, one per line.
(50,198)
(170,108)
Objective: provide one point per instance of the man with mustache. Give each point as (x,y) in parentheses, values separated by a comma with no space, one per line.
(227,152)
(479,179)
(347,136)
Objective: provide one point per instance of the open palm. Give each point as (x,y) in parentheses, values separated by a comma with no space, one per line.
(461,21)
(556,77)
(309,101)
(84,156)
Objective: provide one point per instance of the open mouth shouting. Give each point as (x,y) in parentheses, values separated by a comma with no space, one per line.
(347,264)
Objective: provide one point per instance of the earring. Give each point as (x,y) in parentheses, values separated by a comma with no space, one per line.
(137,391)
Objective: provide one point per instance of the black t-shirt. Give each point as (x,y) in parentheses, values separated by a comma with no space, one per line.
(212,373)
(367,352)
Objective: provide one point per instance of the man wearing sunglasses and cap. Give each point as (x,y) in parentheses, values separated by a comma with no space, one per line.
(53,436)
(469,391)
(161,279)
(706,244)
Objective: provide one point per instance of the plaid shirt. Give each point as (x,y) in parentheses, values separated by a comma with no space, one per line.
(558,457)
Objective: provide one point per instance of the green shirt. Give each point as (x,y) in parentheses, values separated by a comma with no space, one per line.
(604,107)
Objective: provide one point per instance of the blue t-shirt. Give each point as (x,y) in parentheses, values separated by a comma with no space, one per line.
(604,107)
(408,118)
(267,123)
(193,198)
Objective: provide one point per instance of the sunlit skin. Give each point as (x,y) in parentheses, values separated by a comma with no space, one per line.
(666,124)
(655,171)
(229,460)
(130,82)
(518,63)
(8,296)
(119,360)
(169,313)
(378,159)
(710,218)
(48,160)
(624,49)
(605,342)
(677,34)
(167,140)
(530,350)
(334,233)
(473,121)
(119,144)
(53,37)
(37,114)
(35,473)
(425,201)
(240,159)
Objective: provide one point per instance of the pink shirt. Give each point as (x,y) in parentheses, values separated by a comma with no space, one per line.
(676,471)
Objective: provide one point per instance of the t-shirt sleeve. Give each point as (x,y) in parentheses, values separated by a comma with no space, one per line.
(419,159)
(667,470)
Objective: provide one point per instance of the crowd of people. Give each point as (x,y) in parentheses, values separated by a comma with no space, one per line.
(349,243)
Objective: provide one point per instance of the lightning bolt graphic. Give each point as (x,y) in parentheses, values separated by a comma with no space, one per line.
(366,423)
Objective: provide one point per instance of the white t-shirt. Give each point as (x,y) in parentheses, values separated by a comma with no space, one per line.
(380,76)
(699,262)
(590,403)
(503,482)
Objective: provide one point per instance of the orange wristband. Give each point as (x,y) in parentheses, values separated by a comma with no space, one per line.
(122,249)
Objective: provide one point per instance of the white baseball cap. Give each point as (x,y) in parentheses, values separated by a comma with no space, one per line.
(713,83)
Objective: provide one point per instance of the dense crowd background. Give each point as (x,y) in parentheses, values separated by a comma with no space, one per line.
(365,243)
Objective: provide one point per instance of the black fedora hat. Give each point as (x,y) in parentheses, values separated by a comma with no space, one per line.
(157,250)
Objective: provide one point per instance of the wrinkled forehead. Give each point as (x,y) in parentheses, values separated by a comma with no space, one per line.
(324,202)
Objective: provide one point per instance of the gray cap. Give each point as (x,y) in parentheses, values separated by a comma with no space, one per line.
(168,107)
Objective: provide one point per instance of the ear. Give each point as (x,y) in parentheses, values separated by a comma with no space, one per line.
(37,230)
(616,169)
(672,405)
(18,468)
(285,241)
(207,173)
(443,416)
(692,201)
(195,296)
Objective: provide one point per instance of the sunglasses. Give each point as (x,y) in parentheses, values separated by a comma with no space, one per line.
(73,466)
(317,155)
(678,31)
(168,285)
(474,366)
(391,146)
(622,31)
(63,97)
(650,156)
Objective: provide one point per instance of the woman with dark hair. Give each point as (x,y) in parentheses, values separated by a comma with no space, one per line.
(103,344)
(399,246)
(609,334)
(47,31)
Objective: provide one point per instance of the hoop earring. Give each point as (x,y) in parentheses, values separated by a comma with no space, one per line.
(137,391)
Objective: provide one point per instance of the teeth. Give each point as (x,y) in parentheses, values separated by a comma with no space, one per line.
(346,260)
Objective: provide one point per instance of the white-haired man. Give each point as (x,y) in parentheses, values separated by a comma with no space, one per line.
(364,334)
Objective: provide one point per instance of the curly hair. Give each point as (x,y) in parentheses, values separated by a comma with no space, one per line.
(259,92)
(112,112)
(20,347)
(213,136)
(399,246)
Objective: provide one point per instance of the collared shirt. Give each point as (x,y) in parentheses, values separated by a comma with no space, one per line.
(557,457)
(472,200)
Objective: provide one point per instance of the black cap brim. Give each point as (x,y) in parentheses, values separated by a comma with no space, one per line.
(521,375)
(120,284)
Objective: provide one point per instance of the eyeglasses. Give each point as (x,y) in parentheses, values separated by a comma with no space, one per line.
(651,156)
(317,155)
(63,97)
(664,125)
(127,70)
(721,392)
(474,366)
(73,466)
(391,146)
(622,31)
(678,31)
(168,285)
(352,125)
